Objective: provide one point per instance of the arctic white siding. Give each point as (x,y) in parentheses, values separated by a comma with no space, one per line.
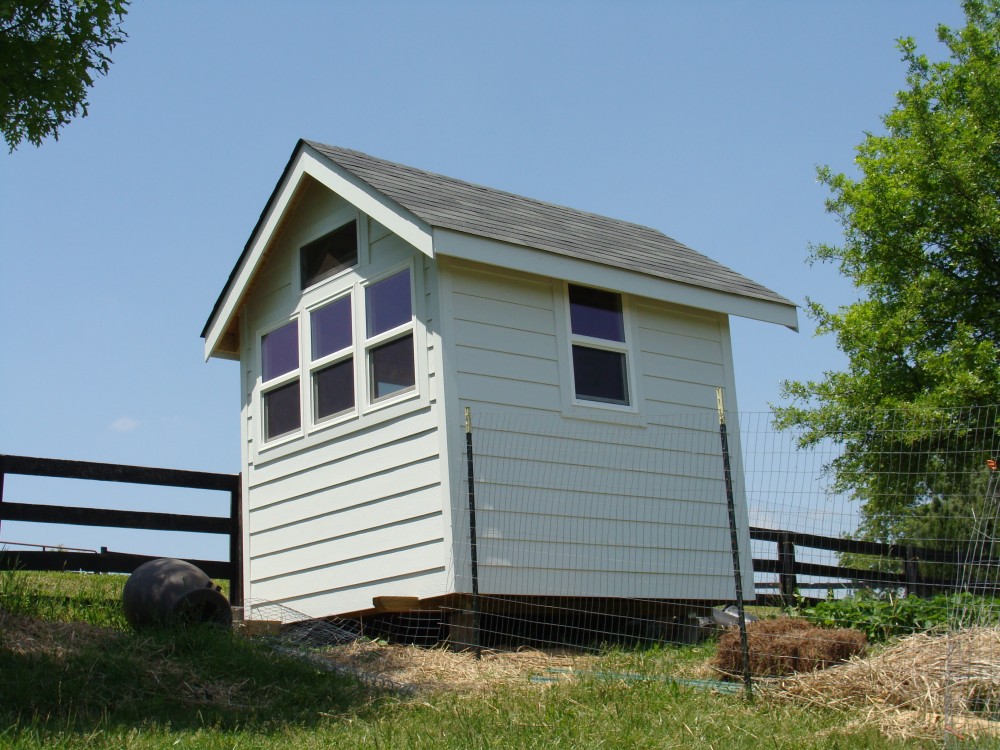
(586,500)
(349,510)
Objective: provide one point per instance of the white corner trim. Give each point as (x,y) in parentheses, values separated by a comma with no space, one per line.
(308,162)
(495,253)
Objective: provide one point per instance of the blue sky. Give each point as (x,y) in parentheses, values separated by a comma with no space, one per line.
(705,120)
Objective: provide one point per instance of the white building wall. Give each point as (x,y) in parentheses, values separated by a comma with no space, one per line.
(576,500)
(340,515)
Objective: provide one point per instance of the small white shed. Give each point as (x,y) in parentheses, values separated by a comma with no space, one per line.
(374,301)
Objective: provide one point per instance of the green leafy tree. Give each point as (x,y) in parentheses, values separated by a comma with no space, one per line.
(921,242)
(50,53)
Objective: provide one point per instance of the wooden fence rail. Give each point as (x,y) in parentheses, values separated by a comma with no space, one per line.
(911,557)
(118,562)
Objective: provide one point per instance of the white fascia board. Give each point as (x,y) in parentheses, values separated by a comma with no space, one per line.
(356,192)
(363,196)
(495,253)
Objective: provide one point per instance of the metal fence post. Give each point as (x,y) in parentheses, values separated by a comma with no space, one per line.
(735,544)
(470,466)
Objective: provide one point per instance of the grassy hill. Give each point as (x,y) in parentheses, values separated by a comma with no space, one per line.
(72,675)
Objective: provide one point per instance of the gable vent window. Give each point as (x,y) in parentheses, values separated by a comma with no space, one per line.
(597,328)
(330,254)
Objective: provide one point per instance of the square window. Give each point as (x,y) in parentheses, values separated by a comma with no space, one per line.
(388,303)
(333,389)
(391,367)
(331,328)
(330,254)
(596,313)
(280,351)
(281,411)
(600,375)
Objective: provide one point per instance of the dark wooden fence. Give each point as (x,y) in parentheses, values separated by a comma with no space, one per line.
(911,560)
(119,562)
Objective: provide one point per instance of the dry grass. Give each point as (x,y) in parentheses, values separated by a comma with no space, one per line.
(440,669)
(919,687)
(787,645)
(27,635)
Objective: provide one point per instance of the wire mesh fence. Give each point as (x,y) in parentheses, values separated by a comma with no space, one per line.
(873,540)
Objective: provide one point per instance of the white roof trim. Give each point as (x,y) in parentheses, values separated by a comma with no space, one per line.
(383,209)
(503,255)
(308,162)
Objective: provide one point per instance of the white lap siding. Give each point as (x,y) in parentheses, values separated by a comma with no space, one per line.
(350,520)
(592,501)
(350,512)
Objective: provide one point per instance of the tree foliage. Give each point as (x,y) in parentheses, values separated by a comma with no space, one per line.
(50,53)
(921,242)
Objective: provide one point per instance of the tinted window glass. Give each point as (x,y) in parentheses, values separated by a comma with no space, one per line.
(331,328)
(388,303)
(391,367)
(280,351)
(600,375)
(281,410)
(596,313)
(329,254)
(333,388)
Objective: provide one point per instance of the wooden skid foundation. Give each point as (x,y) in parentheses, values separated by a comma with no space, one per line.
(511,621)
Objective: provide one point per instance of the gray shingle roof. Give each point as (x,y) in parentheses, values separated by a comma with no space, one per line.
(473,209)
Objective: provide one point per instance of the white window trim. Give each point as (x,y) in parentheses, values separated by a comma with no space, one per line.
(366,343)
(309,366)
(338,220)
(263,388)
(582,407)
(366,411)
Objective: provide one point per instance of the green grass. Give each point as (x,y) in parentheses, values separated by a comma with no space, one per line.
(76,686)
(64,597)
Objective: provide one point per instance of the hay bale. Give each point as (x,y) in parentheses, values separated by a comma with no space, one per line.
(785,646)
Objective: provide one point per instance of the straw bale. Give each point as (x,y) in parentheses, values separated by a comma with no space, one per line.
(787,645)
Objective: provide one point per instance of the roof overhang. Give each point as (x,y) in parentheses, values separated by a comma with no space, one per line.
(492,252)
(304,162)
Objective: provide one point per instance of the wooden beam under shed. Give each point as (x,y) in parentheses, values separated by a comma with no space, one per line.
(395,603)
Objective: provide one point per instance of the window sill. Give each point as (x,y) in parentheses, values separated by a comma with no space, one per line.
(336,429)
(595,411)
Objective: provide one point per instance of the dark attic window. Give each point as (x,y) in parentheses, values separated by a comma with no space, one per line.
(330,254)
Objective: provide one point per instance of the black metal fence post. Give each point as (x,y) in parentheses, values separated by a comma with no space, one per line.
(734,544)
(470,466)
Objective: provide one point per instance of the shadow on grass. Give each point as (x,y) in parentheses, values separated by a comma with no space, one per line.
(63,677)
